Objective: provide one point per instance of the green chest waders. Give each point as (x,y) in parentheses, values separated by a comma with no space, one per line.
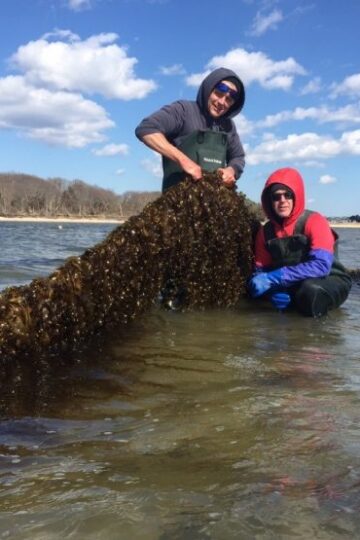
(207,148)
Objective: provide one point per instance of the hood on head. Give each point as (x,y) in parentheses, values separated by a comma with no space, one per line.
(207,86)
(291,179)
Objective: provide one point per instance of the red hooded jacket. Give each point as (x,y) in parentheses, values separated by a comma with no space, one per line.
(317,229)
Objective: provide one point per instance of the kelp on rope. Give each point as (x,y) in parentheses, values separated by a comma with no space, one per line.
(191,246)
(354,273)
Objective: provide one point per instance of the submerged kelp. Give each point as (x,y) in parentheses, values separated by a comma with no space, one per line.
(191,247)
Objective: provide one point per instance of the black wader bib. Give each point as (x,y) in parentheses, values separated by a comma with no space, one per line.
(207,148)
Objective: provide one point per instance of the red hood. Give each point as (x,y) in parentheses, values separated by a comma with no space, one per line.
(291,179)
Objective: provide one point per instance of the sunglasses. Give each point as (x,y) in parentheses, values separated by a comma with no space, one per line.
(278,196)
(225,89)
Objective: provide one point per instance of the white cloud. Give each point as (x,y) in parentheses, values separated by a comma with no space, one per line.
(327,179)
(62,34)
(94,65)
(175,69)
(254,67)
(153,166)
(304,147)
(119,171)
(279,81)
(58,117)
(313,163)
(350,86)
(262,22)
(351,141)
(350,114)
(79,5)
(301,10)
(243,125)
(112,150)
(45,101)
(312,87)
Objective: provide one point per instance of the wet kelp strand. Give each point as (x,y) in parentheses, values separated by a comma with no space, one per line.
(191,247)
(355,274)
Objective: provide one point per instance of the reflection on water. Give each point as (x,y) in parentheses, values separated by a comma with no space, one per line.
(218,424)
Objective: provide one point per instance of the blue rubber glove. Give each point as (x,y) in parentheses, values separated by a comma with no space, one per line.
(280,300)
(262,282)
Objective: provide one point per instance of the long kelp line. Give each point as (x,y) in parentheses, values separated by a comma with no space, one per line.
(192,246)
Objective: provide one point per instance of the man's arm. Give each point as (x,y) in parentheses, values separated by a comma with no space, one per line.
(159,143)
(156,130)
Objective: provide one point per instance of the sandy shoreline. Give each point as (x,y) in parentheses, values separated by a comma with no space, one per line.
(343,225)
(62,220)
(339,224)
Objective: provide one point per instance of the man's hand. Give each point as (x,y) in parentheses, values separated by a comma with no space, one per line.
(159,143)
(191,168)
(227,175)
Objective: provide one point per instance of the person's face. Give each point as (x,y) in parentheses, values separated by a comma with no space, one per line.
(282,202)
(222,97)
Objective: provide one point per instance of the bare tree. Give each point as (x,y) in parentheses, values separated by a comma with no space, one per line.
(22,195)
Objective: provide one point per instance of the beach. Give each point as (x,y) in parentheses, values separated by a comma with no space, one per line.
(27,219)
(342,224)
(99,219)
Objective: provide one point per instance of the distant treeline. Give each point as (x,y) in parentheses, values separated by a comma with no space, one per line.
(26,195)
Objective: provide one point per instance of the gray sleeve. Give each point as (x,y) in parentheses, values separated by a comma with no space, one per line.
(236,153)
(168,120)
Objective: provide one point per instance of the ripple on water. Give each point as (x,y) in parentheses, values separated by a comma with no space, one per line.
(196,425)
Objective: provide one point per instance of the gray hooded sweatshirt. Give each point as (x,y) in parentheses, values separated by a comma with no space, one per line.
(183,117)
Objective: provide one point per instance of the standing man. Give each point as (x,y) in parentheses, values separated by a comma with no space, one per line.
(296,260)
(199,135)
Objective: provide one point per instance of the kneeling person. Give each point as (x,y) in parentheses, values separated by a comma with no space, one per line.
(296,260)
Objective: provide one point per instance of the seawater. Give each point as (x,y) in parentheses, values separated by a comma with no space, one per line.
(220,424)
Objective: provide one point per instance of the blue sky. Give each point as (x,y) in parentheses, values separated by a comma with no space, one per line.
(77,76)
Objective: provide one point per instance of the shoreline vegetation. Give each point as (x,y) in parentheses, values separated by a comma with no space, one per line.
(23,196)
(27,198)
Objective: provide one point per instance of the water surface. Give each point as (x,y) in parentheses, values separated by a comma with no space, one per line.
(222,424)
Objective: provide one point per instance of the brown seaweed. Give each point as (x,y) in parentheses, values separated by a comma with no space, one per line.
(192,246)
(354,273)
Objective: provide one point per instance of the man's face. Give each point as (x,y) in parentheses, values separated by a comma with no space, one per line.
(282,202)
(222,98)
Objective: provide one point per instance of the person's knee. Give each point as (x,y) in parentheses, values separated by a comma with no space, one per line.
(313,300)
